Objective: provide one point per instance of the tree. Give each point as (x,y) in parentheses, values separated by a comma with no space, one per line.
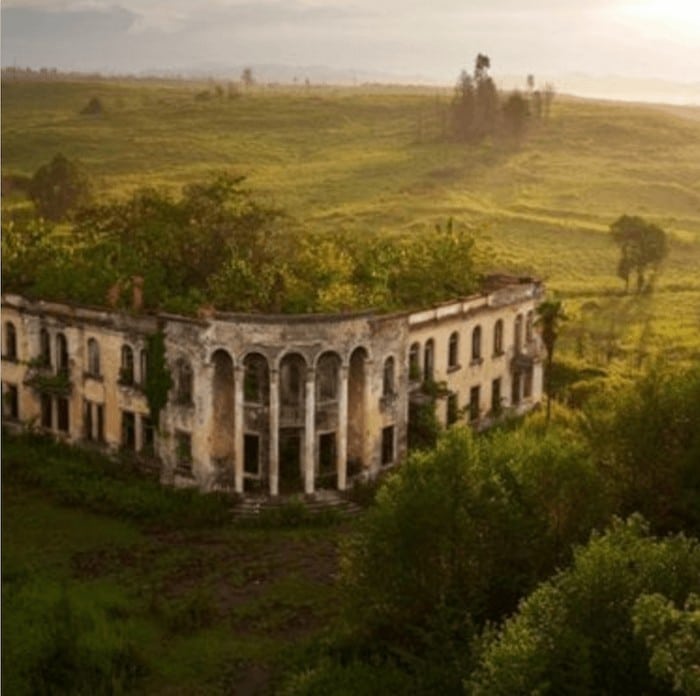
(486,105)
(642,245)
(463,104)
(247,77)
(516,113)
(550,315)
(59,188)
(576,633)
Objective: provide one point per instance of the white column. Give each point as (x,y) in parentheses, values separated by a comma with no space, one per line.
(138,432)
(238,416)
(309,431)
(342,449)
(274,432)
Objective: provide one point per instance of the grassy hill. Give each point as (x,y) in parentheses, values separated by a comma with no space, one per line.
(373,161)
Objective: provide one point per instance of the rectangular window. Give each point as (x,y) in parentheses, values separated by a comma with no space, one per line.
(387,445)
(496,396)
(10,401)
(474,408)
(251,454)
(183,443)
(46,411)
(452,408)
(100,423)
(515,389)
(148,436)
(527,384)
(326,453)
(63,409)
(88,421)
(128,430)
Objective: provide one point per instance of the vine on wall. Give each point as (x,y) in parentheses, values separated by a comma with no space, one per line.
(158,378)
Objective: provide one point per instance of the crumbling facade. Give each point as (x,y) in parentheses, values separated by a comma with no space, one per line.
(269,403)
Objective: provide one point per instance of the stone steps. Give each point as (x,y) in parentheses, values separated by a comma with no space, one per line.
(252,506)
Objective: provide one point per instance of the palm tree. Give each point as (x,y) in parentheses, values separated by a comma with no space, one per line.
(550,315)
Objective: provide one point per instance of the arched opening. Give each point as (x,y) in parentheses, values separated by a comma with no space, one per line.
(476,344)
(183,382)
(357,387)
(292,378)
(256,381)
(429,360)
(327,371)
(10,352)
(224,413)
(61,353)
(126,371)
(453,350)
(528,326)
(414,371)
(498,337)
(44,348)
(93,350)
(388,384)
(518,338)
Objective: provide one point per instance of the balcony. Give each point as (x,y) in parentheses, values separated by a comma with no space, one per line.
(530,353)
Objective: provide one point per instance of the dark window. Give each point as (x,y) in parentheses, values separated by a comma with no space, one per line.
(498,337)
(528,326)
(63,409)
(251,454)
(474,407)
(93,349)
(388,383)
(183,442)
(256,385)
(61,353)
(100,423)
(10,341)
(44,348)
(414,372)
(87,420)
(128,430)
(515,389)
(388,445)
(184,382)
(46,411)
(143,365)
(327,378)
(126,373)
(518,338)
(148,436)
(476,344)
(452,409)
(326,453)
(429,360)
(527,384)
(291,381)
(496,396)
(453,352)
(10,401)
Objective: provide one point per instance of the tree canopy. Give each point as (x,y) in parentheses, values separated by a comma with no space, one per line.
(59,188)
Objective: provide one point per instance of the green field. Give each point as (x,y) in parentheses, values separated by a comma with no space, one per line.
(374,161)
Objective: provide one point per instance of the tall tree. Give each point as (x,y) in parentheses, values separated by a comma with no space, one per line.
(642,245)
(550,315)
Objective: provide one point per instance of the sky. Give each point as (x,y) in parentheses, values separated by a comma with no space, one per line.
(430,39)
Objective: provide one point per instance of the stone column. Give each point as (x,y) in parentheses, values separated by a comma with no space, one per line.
(138,431)
(238,417)
(309,431)
(274,432)
(342,449)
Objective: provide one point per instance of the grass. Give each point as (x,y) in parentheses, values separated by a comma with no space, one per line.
(103,596)
(373,161)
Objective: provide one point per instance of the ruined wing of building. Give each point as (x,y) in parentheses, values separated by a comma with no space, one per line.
(269,403)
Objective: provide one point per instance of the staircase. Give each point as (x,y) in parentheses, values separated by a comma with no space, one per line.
(252,506)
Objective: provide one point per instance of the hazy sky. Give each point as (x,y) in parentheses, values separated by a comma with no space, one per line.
(432,38)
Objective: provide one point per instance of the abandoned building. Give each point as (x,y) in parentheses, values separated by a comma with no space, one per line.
(269,403)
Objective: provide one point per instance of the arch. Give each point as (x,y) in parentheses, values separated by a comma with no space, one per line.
(10,346)
(388,381)
(429,360)
(93,357)
(44,347)
(498,337)
(143,365)
(529,323)
(327,376)
(184,381)
(61,353)
(453,350)
(518,333)
(414,371)
(476,344)
(256,379)
(126,371)
(358,383)
(223,411)
(292,375)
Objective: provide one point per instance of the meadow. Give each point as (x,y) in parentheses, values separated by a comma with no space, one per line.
(375,160)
